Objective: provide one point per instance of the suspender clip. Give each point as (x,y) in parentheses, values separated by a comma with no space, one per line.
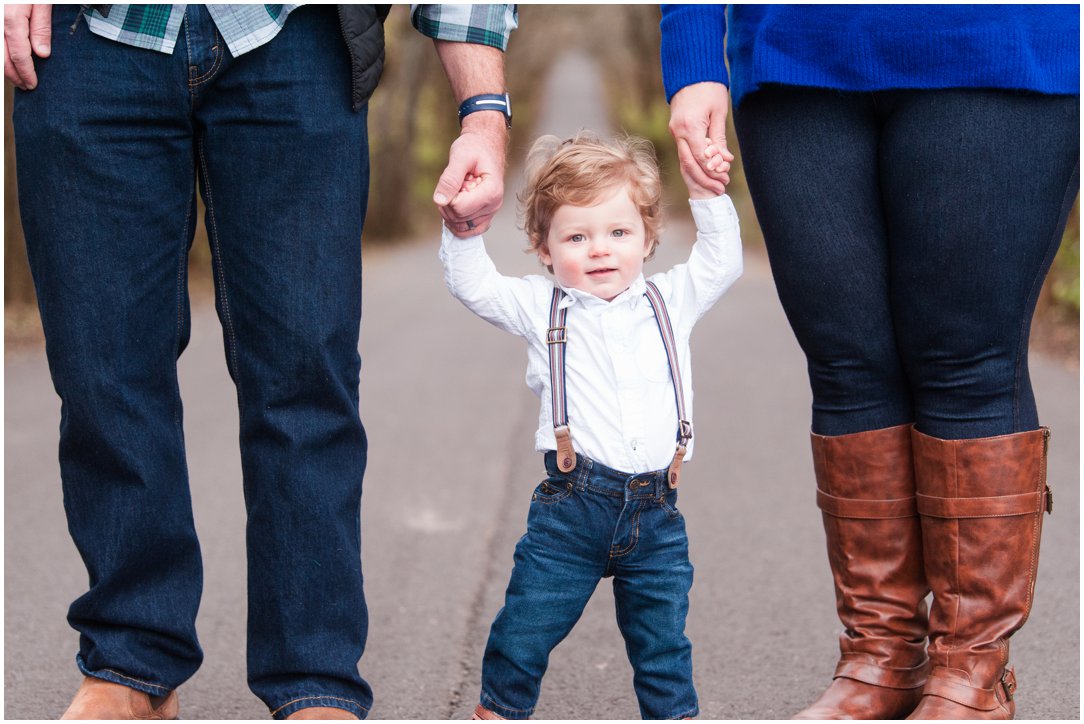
(557,335)
(685,432)
(566,456)
(673,475)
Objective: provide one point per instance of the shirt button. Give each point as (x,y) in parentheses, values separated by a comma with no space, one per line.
(634,444)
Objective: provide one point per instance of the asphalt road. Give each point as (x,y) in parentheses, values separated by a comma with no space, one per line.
(451,470)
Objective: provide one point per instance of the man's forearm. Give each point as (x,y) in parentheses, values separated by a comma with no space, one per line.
(474,69)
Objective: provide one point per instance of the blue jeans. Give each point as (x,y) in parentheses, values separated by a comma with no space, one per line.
(110,147)
(909,234)
(589,524)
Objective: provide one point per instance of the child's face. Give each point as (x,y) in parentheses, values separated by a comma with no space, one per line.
(597,249)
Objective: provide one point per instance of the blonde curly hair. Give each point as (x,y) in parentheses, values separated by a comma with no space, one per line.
(579,170)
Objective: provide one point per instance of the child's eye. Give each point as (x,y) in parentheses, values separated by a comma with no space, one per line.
(577,237)
(619,232)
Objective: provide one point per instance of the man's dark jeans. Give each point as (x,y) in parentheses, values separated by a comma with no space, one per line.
(909,234)
(110,146)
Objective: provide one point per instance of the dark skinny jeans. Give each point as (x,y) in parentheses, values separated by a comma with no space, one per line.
(909,233)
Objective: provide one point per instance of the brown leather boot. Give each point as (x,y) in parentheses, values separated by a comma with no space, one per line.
(981,503)
(866,491)
(100,699)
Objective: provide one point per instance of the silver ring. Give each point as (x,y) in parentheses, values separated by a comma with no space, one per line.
(470,224)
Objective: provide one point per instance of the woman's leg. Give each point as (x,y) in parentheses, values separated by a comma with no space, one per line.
(978,185)
(811,160)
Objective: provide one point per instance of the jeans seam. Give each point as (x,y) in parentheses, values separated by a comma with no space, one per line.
(193,81)
(182,266)
(325,696)
(148,684)
(635,534)
(216,249)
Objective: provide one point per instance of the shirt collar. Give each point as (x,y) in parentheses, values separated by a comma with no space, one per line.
(630,296)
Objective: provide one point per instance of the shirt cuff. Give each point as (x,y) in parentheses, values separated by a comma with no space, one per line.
(452,245)
(481,24)
(714,215)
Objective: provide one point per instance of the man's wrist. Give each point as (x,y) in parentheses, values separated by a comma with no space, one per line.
(487,123)
(487,103)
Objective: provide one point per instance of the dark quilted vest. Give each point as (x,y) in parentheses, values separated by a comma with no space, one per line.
(363,31)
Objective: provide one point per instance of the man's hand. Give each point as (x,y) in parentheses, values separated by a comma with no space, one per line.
(27,32)
(698,125)
(471,189)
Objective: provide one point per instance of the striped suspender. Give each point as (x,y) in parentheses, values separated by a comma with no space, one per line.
(557,337)
(685,428)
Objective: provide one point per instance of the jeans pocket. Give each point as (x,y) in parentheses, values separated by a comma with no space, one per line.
(552,490)
(668,503)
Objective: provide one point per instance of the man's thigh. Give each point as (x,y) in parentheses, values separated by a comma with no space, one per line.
(106,188)
(284,169)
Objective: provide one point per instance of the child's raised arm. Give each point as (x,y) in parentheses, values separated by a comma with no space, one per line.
(472,278)
(714,264)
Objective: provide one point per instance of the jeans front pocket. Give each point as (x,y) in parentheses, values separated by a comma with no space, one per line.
(668,503)
(552,490)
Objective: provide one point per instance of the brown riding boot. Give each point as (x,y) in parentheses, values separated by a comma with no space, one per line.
(865,490)
(981,503)
(99,699)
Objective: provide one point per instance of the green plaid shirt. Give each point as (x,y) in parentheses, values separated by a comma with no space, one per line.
(246,27)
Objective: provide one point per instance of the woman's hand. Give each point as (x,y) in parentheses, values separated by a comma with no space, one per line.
(698,125)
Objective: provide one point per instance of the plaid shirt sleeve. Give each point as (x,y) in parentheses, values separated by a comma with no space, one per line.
(483,24)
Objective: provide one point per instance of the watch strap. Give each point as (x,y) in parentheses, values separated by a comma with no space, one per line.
(499,102)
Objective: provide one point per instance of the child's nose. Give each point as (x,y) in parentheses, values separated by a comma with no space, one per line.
(600,246)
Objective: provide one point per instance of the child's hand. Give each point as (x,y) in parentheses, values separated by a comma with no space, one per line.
(470,184)
(717,162)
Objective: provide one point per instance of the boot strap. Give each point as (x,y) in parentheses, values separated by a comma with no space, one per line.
(860,667)
(867,509)
(955,690)
(1001,506)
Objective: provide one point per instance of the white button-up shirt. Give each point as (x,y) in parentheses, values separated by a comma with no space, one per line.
(620,397)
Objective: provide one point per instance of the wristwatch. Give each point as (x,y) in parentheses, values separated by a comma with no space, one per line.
(499,102)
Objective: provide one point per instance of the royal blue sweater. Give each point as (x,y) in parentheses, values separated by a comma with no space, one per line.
(873,47)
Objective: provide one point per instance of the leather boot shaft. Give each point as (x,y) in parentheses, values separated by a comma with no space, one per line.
(866,492)
(981,503)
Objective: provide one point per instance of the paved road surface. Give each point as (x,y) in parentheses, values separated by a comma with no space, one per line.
(451,470)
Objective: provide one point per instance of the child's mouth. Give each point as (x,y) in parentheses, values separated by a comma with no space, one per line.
(600,272)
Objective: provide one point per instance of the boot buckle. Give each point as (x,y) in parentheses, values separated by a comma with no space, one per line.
(1008,683)
(1049,500)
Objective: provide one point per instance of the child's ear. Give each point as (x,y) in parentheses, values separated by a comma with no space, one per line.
(544,255)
